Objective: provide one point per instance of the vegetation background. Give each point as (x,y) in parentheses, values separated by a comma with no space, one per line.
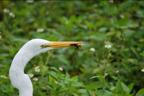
(110,64)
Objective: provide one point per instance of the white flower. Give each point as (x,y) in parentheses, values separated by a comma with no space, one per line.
(44,1)
(60,68)
(30,1)
(122,16)
(92,49)
(0,37)
(117,71)
(37,69)
(105,74)
(142,70)
(40,30)
(31,75)
(108,45)
(6,10)
(35,79)
(11,14)
(111,1)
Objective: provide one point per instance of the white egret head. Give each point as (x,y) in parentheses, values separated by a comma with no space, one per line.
(18,78)
(37,46)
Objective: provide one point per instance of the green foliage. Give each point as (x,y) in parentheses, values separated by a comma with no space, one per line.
(109,64)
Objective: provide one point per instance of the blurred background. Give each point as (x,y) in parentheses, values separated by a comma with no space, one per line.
(110,64)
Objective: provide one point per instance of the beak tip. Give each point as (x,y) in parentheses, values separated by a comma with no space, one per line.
(77,44)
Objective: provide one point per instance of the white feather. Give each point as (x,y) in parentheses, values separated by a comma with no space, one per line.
(18,78)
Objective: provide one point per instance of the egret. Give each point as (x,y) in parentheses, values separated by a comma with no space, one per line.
(34,47)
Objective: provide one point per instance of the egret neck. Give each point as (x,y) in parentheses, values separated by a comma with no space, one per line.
(18,78)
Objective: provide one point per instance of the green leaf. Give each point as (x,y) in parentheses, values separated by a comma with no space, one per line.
(140,92)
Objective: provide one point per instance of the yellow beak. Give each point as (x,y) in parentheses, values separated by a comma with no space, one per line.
(62,44)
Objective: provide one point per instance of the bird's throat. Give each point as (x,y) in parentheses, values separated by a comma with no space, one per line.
(18,78)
